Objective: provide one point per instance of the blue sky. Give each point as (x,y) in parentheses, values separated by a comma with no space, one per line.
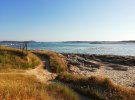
(63,20)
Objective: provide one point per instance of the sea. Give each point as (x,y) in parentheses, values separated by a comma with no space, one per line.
(124,49)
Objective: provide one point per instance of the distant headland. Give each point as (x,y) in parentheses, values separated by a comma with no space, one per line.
(31,41)
(101,42)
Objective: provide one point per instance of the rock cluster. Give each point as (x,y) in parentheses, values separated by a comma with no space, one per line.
(120,69)
(78,61)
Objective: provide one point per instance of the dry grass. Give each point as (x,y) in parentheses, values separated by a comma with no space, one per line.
(57,62)
(62,91)
(21,87)
(11,58)
(97,87)
(17,85)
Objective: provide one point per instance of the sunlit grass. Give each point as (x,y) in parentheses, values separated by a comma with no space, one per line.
(22,87)
(57,62)
(16,86)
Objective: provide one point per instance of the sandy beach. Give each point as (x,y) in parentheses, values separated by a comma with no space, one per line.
(121,69)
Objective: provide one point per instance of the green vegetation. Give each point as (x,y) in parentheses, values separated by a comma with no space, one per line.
(97,87)
(22,87)
(57,62)
(11,58)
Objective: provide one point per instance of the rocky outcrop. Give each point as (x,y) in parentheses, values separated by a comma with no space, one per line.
(121,60)
(120,69)
(74,60)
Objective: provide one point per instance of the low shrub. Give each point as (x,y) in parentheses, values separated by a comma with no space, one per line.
(63,91)
(97,87)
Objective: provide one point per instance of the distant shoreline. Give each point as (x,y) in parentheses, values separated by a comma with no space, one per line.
(101,42)
(90,42)
(17,41)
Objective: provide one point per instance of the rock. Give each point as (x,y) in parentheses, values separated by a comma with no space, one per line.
(118,67)
(73,62)
(87,62)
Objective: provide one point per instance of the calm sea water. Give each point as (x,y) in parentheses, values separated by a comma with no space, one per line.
(85,48)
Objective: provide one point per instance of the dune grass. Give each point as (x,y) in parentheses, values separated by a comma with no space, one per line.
(60,90)
(96,87)
(57,62)
(22,87)
(11,58)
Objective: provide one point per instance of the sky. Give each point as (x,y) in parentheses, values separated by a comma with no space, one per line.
(67,20)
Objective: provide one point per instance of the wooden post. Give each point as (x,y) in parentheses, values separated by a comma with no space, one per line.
(26,44)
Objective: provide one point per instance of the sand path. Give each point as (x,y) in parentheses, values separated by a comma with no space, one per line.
(43,74)
(42,71)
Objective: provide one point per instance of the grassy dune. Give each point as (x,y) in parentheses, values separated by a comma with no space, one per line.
(57,62)
(11,58)
(20,86)
(97,87)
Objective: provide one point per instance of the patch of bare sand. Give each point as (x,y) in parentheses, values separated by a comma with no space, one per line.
(41,73)
(126,78)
